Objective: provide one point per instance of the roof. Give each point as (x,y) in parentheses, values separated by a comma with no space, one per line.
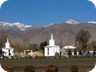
(69,47)
(51,46)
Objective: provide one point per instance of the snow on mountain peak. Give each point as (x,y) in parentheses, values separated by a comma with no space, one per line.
(93,22)
(21,26)
(71,21)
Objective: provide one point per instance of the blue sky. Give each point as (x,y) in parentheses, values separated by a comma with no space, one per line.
(44,12)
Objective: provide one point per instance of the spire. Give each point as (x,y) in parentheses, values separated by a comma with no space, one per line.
(51,36)
(7,44)
(7,40)
(51,41)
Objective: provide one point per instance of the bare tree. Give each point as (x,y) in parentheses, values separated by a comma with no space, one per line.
(93,45)
(82,38)
(34,47)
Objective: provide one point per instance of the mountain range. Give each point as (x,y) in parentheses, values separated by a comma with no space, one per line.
(64,33)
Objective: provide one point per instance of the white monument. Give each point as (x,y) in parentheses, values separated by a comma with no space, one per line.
(51,49)
(1,69)
(94,69)
(8,51)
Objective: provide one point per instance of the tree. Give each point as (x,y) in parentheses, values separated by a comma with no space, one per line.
(0,43)
(3,38)
(94,53)
(69,53)
(75,52)
(0,51)
(80,52)
(42,45)
(0,47)
(82,38)
(34,47)
(93,45)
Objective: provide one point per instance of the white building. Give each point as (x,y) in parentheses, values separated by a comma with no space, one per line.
(69,47)
(8,51)
(51,49)
(64,50)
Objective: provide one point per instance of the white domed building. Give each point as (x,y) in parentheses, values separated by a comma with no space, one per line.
(8,50)
(51,49)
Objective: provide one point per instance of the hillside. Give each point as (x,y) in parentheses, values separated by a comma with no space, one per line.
(63,33)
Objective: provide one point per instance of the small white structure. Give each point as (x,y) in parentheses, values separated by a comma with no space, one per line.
(1,69)
(51,49)
(64,52)
(69,47)
(94,69)
(8,51)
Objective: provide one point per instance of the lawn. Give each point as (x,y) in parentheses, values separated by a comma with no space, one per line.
(85,64)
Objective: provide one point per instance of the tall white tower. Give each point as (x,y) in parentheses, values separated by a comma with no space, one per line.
(8,51)
(7,44)
(51,49)
(51,41)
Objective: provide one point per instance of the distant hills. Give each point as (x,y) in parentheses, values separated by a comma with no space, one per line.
(64,34)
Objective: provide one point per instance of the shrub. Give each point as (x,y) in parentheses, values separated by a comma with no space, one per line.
(52,68)
(8,69)
(29,69)
(74,68)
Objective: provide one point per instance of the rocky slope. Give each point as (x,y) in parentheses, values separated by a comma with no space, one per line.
(64,33)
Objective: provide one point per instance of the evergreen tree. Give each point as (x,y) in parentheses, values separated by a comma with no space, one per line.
(94,53)
(75,52)
(80,52)
(69,53)
(42,45)
(0,51)
(0,47)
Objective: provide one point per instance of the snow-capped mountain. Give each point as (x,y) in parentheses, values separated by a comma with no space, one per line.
(20,26)
(93,22)
(24,35)
(71,21)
